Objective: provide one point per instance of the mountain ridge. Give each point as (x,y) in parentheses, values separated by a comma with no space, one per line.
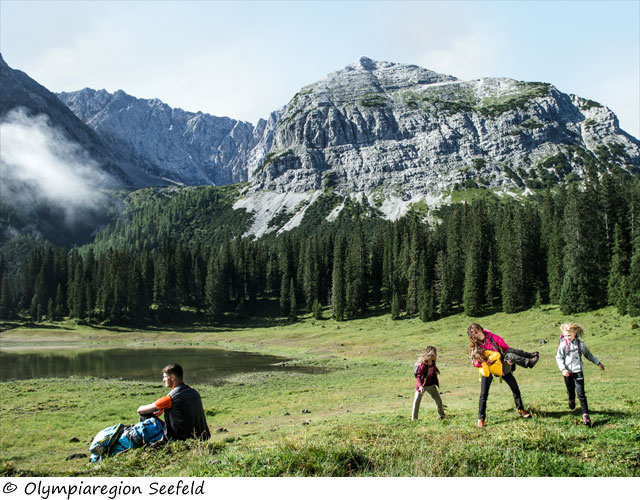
(388,135)
(413,130)
(191,148)
(19,91)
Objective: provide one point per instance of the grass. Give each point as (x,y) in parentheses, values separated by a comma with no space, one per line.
(359,406)
(526,91)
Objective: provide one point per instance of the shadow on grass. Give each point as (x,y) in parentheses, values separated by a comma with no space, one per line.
(5,326)
(598,417)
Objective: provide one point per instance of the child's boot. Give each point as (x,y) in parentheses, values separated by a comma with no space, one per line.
(586,420)
(481,422)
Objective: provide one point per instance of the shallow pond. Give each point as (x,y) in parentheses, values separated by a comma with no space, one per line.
(201,365)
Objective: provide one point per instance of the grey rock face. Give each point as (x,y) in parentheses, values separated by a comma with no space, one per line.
(407,131)
(184,147)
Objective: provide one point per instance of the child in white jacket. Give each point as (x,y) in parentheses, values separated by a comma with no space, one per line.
(569,359)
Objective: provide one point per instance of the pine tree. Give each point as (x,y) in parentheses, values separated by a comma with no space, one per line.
(285,295)
(388,266)
(7,303)
(555,270)
(51,314)
(492,291)
(617,287)
(395,306)
(578,269)
(293,304)
(472,298)
(355,273)
(633,281)
(337,283)
(376,268)
(317,310)
(310,277)
(454,265)
(519,256)
(414,268)
(214,295)
(60,304)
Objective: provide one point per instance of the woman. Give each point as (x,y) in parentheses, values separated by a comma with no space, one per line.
(481,340)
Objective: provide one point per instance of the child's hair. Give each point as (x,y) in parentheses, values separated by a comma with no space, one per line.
(429,352)
(475,346)
(571,328)
(477,353)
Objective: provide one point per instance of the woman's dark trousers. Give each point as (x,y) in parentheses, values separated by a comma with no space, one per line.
(575,383)
(485,384)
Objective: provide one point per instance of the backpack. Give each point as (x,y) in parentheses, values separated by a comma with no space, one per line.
(566,343)
(146,432)
(104,441)
(119,438)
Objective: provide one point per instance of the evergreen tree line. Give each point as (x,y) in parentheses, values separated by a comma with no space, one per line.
(578,247)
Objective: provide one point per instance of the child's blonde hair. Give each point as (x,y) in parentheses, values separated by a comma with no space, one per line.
(429,352)
(571,328)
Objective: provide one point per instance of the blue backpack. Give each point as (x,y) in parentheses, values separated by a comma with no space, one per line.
(105,440)
(119,438)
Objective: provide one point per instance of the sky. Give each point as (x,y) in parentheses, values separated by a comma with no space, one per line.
(247,59)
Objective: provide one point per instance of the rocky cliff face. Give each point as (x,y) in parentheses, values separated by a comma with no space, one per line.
(406,131)
(189,148)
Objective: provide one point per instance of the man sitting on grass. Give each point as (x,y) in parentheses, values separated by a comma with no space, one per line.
(182,407)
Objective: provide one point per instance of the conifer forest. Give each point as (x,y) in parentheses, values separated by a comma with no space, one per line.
(577,246)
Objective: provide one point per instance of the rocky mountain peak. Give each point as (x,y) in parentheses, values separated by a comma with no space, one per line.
(399,129)
(365,63)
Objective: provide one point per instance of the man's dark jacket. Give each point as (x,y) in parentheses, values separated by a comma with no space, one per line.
(185,419)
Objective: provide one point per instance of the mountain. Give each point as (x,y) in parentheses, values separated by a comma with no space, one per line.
(188,148)
(19,91)
(391,137)
(406,131)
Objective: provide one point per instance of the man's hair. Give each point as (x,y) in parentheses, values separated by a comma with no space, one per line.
(173,369)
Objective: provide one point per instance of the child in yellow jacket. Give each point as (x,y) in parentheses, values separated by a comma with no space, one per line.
(491,365)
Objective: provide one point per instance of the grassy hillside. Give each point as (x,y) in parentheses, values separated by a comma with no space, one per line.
(359,404)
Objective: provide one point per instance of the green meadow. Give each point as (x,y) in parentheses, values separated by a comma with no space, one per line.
(358,401)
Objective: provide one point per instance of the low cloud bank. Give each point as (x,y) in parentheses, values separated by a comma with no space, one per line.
(39,167)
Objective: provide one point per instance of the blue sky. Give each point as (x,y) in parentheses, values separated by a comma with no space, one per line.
(246,59)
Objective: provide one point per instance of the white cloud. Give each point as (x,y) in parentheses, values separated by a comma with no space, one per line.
(38,165)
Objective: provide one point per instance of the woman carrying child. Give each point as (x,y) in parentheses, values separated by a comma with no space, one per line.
(569,359)
(482,341)
(426,373)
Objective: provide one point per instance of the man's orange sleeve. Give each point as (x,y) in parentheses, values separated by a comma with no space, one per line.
(163,403)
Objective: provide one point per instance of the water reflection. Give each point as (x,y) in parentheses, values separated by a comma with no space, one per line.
(201,366)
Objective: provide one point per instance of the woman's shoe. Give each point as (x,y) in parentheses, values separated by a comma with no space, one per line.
(524,413)
(586,420)
(481,423)
(572,404)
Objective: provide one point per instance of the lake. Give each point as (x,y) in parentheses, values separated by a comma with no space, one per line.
(201,365)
